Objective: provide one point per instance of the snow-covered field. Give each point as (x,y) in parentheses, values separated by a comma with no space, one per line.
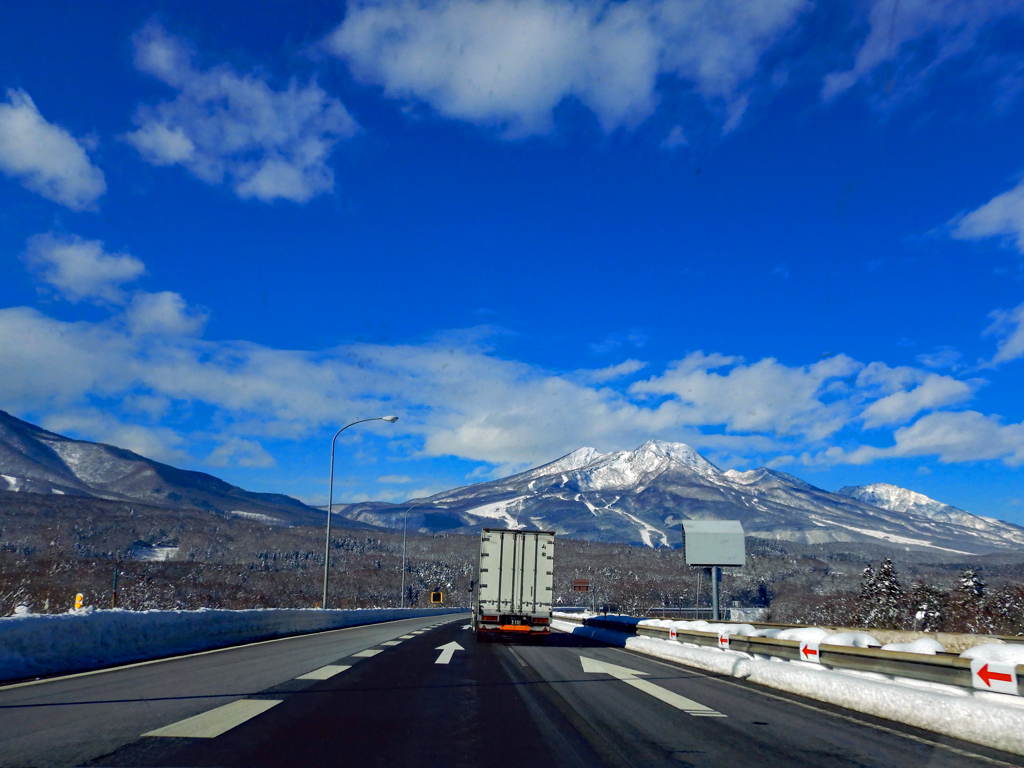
(32,645)
(990,719)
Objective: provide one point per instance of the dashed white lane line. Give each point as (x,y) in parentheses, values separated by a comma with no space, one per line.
(210,724)
(367,653)
(324,673)
(406,637)
(392,642)
(630,677)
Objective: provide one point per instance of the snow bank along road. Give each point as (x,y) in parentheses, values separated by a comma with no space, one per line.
(421,692)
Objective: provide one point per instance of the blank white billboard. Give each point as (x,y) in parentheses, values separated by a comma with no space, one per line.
(713,542)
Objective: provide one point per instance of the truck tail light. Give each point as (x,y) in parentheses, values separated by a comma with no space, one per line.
(488,618)
(540,621)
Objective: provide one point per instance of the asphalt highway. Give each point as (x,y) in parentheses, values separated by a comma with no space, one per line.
(421,692)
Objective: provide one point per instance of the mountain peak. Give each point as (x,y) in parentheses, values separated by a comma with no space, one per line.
(679,452)
(640,496)
(895,499)
(891,497)
(763,476)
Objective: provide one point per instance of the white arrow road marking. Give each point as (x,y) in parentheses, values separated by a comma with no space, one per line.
(217,721)
(447,651)
(468,626)
(324,673)
(629,677)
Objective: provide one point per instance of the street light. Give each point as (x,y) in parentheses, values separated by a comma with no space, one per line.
(330,496)
(405,534)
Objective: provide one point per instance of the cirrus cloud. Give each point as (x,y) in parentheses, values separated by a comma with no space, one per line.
(916,36)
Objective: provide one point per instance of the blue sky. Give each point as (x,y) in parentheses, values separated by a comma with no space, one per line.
(788,234)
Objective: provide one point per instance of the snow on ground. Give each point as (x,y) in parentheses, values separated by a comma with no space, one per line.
(924,645)
(32,645)
(646,531)
(12,482)
(156,554)
(980,717)
(804,634)
(498,511)
(1010,654)
(851,640)
(896,539)
(257,516)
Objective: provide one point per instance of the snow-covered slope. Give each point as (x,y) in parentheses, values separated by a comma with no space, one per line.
(642,496)
(896,499)
(34,460)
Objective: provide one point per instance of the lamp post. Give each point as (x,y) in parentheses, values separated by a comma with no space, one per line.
(405,534)
(330,496)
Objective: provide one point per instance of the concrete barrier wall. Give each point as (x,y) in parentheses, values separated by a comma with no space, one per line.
(44,644)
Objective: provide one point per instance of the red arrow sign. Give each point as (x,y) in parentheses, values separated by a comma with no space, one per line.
(809,652)
(987,677)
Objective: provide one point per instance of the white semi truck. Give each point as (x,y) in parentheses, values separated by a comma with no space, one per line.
(514,585)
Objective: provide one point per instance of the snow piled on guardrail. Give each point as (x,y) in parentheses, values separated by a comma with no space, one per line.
(991,719)
(41,644)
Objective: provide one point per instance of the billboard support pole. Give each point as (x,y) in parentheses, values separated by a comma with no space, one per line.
(714,593)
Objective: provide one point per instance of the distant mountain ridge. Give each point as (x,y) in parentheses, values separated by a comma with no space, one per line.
(897,499)
(642,496)
(37,461)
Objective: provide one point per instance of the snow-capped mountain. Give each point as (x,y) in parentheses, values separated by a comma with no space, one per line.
(642,496)
(897,499)
(34,460)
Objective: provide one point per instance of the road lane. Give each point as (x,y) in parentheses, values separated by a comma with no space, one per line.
(397,708)
(571,702)
(66,721)
(759,728)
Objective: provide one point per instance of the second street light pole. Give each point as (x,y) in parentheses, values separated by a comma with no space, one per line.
(330,497)
(405,534)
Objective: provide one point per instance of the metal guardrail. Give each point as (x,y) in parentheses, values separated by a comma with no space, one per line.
(1009,639)
(944,668)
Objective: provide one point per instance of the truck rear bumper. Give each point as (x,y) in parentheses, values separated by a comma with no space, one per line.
(512,632)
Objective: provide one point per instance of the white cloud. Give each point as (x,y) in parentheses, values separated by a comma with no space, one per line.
(933,392)
(395,479)
(613,341)
(455,397)
(46,158)
(943,357)
(612,372)
(1009,327)
(917,36)
(509,63)
(765,396)
(80,270)
(239,452)
(157,443)
(446,395)
(675,139)
(1002,216)
(952,437)
(226,127)
(164,313)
